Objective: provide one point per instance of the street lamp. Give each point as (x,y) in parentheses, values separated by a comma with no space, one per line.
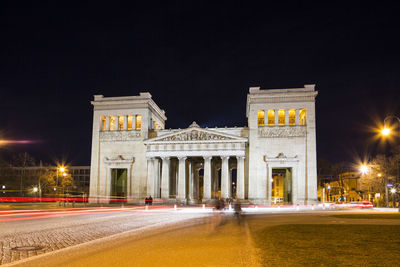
(393,190)
(386,131)
(364,169)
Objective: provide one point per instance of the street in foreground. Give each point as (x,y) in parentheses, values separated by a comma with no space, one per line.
(366,238)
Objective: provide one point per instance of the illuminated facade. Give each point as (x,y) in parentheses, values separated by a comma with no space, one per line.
(272,160)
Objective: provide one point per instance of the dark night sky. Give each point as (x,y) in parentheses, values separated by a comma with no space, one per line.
(197,59)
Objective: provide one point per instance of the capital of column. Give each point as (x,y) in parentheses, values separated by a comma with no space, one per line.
(150,158)
(224,157)
(207,158)
(182,158)
(164,158)
(240,157)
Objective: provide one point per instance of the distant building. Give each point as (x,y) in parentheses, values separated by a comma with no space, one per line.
(134,156)
(11,178)
(345,189)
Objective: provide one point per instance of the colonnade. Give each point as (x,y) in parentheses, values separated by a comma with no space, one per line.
(184,175)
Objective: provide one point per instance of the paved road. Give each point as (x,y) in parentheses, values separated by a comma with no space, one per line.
(148,238)
(50,230)
(198,242)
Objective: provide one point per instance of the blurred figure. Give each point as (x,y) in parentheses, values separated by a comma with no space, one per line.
(150,200)
(237,210)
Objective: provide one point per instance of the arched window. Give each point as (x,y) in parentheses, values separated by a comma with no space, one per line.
(138,122)
(260,117)
(112,123)
(102,123)
(281,117)
(303,116)
(292,116)
(120,123)
(271,117)
(130,118)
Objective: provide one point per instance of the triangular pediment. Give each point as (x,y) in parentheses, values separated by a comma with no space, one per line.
(194,134)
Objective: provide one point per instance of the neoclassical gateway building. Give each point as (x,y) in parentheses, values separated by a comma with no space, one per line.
(270,161)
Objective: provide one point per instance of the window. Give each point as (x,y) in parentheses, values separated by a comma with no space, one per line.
(292,117)
(130,118)
(303,116)
(260,117)
(138,122)
(281,117)
(271,117)
(102,123)
(120,123)
(112,123)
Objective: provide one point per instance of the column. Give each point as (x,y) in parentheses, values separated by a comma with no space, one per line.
(150,177)
(240,192)
(156,166)
(129,192)
(297,116)
(189,186)
(125,127)
(269,184)
(195,184)
(286,116)
(266,117)
(207,179)
(225,186)
(276,117)
(134,122)
(107,122)
(165,178)
(181,180)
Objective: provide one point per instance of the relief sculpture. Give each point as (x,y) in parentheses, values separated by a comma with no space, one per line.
(276,132)
(195,135)
(120,135)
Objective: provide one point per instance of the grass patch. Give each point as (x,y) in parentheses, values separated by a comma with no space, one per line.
(369,216)
(329,245)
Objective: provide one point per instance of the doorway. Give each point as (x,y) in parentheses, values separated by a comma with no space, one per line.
(119,184)
(281,191)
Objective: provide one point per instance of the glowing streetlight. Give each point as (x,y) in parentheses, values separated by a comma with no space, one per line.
(379,174)
(61,169)
(393,190)
(385,131)
(35,189)
(364,169)
(64,174)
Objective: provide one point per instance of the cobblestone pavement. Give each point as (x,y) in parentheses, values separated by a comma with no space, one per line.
(56,233)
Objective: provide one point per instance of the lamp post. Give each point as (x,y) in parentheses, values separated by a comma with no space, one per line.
(62,170)
(386,131)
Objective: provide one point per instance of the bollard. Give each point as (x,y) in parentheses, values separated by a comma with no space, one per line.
(146,207)
(279,207)
(297,207)
(323,206)
(230,207)
(175,207)
(312,207)
(204,206)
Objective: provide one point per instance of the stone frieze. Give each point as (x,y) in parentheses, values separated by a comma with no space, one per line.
(283,131)
(120,135)
(195,135)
